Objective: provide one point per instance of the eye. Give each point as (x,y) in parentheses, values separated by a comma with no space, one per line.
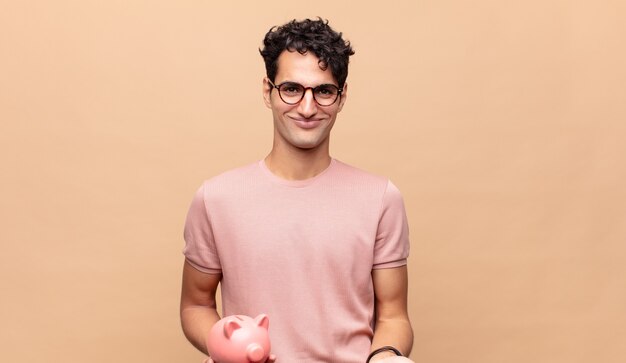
(326,90)
(291,88)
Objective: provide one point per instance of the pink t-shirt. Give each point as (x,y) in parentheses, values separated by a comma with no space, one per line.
(301,252)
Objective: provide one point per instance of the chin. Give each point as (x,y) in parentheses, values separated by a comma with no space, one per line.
(305,143)
(306,146)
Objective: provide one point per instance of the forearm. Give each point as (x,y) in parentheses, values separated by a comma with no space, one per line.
(198,307)
(392,332)
(393,326)
(197,322)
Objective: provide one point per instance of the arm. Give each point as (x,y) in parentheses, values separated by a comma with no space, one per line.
(392,319)
(198,308)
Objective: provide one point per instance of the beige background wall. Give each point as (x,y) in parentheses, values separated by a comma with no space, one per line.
(501,121)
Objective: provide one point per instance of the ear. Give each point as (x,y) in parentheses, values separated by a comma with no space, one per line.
(262,321)
(267,92)
(230,326)
(344,96)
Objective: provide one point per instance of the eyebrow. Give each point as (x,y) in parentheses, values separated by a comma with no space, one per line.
(319,85)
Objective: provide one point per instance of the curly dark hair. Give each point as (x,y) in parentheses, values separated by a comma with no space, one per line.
(307,35)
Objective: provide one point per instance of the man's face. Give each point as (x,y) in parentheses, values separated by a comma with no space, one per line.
(305,125)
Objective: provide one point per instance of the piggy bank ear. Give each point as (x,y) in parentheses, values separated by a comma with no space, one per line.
(230,326)
(262,321)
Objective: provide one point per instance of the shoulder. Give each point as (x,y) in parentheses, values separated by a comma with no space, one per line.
(232,180)
(356,174)
(369,185)
(362,178)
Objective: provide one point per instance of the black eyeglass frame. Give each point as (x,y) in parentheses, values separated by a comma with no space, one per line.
(339,92)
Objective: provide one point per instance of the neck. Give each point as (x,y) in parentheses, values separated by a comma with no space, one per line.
(297,164)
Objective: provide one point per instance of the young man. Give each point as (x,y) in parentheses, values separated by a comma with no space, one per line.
(317,245)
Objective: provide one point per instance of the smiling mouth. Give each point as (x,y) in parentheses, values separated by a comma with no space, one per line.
(307,124)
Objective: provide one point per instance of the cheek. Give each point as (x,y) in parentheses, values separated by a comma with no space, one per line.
(280,108)
(332,114)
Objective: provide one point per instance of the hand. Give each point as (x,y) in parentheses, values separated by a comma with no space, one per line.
(270,359)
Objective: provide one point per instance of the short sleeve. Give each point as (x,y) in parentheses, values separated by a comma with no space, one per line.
(200,250)
(392,237)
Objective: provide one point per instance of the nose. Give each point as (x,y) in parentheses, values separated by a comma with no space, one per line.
(307,106)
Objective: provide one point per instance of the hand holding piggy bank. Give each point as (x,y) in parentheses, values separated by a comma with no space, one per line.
(239,339)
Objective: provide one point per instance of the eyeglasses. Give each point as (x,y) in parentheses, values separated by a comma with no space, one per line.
(292,93)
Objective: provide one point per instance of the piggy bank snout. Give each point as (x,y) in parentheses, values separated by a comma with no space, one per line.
(255,352)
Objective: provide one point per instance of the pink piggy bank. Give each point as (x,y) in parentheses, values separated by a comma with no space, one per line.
(239,339)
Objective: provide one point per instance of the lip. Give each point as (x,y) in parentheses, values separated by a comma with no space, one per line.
(307,124)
